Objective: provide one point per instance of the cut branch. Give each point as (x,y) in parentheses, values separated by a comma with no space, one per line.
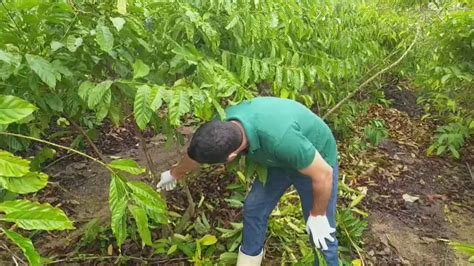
(149,160)
(58,146)
(470,171)
(332,110)
(89,141)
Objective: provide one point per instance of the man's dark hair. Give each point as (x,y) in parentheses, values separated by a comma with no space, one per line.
(214,141)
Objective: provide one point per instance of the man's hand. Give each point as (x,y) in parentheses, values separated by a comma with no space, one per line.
(320,229)
(167,181)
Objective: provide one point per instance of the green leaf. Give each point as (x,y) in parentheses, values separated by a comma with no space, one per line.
(232,23)
(129,166)
(140,69)
(118,199)
(179,105)
(92,230)
(118,23)
(122,6)
(27,4)
(228,257)
(465,248)
(445,78)
(157,94)
(440,149)
(11,59)
(279,76)
(43,69)
(262,172)
(25,245)
(454,152)
(85,89)
(102,109)
(141,219)
(54,102)
(148,199)
(104,38)
(189,53)
(35,216)
(60,68)
(245,70)
(208,240)
(115,114)
(219,109)
(11,64)
(72,43)
(295,60)
(250,167)
(265,74)
(141,107)
(44,155)
(56,46)
(11,166)
(172,249)
(357,200)
(96,95)
(29,183)
(13,109)
(20,205)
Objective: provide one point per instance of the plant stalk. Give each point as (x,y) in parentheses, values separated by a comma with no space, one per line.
(350,95)
(58,146)
(89,141)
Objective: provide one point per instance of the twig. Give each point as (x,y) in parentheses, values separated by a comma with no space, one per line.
(373,77)
(89,141)
(188,214)
(470,171)
(190,210)
(15,257)
(69,27)
(354,245)
(14,260)
(149,160)
(58,160)
(58,146)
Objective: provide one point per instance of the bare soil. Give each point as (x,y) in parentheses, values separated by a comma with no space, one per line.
(442,191)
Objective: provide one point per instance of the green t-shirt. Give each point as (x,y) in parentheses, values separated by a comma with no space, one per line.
(283,133)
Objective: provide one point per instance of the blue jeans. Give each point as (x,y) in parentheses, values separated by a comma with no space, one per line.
(262,199)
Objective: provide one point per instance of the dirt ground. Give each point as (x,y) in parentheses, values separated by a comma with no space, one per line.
(442,191)
(415,233)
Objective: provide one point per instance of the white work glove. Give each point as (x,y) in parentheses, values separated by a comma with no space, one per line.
(167,181)
(320,229)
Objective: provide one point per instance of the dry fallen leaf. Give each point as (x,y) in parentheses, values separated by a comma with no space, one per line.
(409,198)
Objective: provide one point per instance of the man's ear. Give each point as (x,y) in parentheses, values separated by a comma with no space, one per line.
(232,156)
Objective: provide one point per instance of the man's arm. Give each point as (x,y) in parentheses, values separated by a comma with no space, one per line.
(320,173)
(184,166)
(297,151)
(317,224)
(178,171)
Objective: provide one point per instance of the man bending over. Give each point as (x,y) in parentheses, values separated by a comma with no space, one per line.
(298,148)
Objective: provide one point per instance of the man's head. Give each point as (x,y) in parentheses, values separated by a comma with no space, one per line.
(215,142)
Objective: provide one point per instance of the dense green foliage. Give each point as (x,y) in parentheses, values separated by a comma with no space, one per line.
(18,176)
(85,62)
(442,69)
